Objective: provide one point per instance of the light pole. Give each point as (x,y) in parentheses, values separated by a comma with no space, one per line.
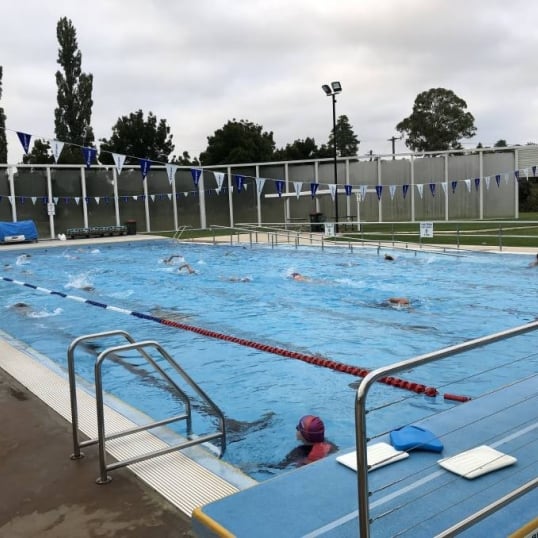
(332,91)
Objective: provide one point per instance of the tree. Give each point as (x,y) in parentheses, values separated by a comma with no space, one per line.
(185,160)
(438,122)
(3,138)
(137,138)
(40,153)
(297,150)
(500,143)
(72,118)
(238,142)
(347,143)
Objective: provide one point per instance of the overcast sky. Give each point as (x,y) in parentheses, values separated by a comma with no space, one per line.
(200,63)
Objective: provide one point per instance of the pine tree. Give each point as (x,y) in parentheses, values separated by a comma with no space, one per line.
(347,143)
(72,118)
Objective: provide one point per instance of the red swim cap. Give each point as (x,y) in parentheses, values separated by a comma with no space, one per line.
(312,429)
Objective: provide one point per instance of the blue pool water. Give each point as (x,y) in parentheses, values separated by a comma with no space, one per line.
(247,292)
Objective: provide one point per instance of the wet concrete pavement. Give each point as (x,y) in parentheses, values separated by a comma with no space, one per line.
(43,493)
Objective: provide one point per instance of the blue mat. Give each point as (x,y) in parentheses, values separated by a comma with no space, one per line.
(415,438)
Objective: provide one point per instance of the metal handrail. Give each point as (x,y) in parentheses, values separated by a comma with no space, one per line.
(372,377)
(101,439)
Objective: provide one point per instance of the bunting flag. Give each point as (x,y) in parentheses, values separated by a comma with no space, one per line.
(379,191)
(498,180)
(432,188)
(314,188)
(11,200)
(468,184)
(454,184)
(405,188)
(445,186)
(526,171)
(55,200)
(25,141)
(97,199)
(363,190)
(487,180)
(239,182)
(219,178)
(34,199)
(260,182)
(145,165)
(77,200)
(476,183)
(152,196)
(298,186)
(89,155)
(506,177)
(348,188)
(534,171)
(392,191)
(119,161)
(196,173)
(57,148)
(420,188)
(171,170)
(516,174)
(279,184)
(332,190)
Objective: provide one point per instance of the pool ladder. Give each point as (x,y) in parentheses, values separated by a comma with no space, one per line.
(143,349)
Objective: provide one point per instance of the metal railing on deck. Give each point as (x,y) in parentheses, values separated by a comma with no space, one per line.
(360,414)
(142,348)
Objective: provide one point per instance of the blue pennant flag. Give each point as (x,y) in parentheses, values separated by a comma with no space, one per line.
(454,184)
(379,191)
(89,155)
(476,182)
(405,188)
(279,186)
(239,181)
(25,141)
(498,180)
(314,188)
(534,171)
(516,173)
(432,188)
(145,165)
(347,188)
(196,173)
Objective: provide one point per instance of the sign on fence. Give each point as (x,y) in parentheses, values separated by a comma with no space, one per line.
(426,229)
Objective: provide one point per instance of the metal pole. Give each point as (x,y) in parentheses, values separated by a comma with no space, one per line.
(335,166)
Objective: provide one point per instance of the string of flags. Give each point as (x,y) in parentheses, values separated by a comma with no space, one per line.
(239,181)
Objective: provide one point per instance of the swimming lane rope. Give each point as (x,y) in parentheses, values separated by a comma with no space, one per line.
(311,359)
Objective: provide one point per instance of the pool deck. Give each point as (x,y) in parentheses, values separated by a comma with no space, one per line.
(46,494)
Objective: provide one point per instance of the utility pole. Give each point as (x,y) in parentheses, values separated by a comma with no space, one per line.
(393,140)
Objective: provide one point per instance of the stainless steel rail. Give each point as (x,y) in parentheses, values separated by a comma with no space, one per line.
(142,348)
(372,377)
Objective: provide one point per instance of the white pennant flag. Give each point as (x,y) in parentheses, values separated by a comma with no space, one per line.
(169,196)
(468,183)
(392,190)
(526,170)
(420,188)
(56,147)
(34,199)
(487,179)
(219,178)
(298,186)
(185,194)
(97,199)
(445,186)
(363,189)
(260,182)
(135,198)
(506,177)
(171,171)
(119,161)
(10,198)
(152,196)
(55,200)
(77,199)
(332,189)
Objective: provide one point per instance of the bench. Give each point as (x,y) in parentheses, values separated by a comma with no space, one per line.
(95,231)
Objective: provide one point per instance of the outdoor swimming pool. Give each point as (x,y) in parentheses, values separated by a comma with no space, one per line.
(246,292)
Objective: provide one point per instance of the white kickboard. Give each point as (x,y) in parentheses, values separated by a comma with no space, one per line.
(476,462)
(378,454)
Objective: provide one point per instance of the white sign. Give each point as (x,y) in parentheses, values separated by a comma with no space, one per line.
(426,229)
(329,229)
(51,209)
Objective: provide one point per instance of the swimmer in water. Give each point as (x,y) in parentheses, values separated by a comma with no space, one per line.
(299,277)
(168,260)
(187,268)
